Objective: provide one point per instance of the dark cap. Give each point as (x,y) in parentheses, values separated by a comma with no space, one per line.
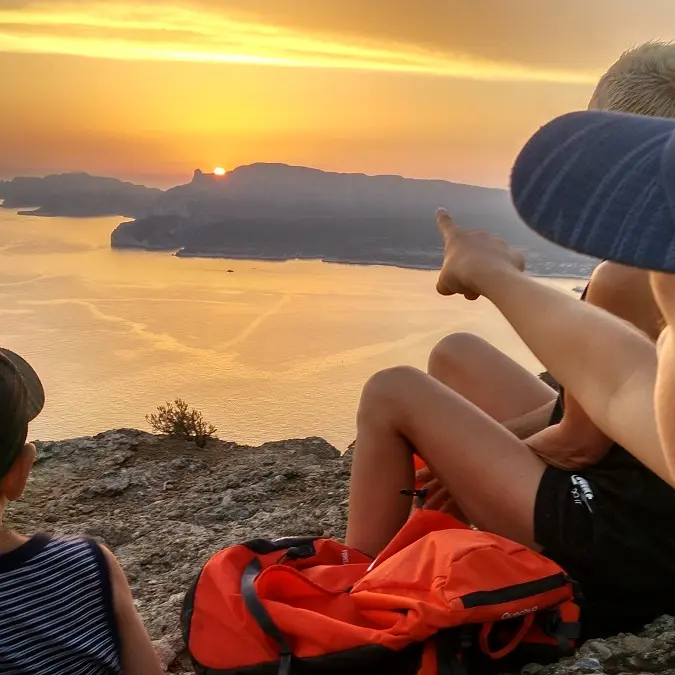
(602,183)
(21,400)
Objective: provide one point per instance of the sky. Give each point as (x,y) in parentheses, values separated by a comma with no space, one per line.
(149,90)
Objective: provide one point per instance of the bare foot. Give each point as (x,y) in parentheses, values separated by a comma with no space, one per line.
(469,253)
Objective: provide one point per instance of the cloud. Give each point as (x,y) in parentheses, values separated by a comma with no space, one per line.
(250,32)
(521,40)
(574,34)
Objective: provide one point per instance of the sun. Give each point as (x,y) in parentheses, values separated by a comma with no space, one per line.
(219,171)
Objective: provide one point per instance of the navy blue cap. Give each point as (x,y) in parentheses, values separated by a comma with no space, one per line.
(603,184)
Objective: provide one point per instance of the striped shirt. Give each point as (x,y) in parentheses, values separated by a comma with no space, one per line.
(56,612)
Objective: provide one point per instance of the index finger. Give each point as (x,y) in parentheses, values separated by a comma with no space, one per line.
(444,222)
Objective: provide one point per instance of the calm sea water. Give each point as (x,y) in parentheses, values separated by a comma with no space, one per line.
(267,351)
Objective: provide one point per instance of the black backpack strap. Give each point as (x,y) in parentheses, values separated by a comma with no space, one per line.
(263,619)
(565,632)
(449,664)
(450,644)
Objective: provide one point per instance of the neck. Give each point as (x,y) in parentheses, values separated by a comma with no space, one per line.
(8,540)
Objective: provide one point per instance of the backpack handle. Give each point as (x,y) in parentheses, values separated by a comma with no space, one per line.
(263,619)
(500,653)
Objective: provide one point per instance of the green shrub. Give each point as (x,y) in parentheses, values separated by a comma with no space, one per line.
(178,420)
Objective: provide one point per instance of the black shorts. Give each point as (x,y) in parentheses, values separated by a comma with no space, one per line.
(612,528)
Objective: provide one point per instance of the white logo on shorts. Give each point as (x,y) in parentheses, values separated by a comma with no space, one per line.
(581,492)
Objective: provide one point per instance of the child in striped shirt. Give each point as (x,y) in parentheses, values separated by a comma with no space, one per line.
(65,605)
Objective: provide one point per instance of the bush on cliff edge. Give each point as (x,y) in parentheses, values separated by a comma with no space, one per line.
(178,420)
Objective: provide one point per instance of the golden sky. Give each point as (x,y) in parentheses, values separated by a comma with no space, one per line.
(151,89)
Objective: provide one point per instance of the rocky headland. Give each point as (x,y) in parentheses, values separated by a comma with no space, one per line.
(163,506)
(281,212)
(268,211)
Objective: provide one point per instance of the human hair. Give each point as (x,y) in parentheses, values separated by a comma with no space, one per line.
(641,82)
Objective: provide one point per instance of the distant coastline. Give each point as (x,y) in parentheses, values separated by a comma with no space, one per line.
(534,268)
(43,213)
(357,263)
(328,260)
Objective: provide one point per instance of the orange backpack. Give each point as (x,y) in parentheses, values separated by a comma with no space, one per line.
(441,598)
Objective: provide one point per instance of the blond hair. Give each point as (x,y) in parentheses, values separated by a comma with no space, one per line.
(641,82)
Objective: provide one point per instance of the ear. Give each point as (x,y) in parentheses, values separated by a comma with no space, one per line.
(14,482)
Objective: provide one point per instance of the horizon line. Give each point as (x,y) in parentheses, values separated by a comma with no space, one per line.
(118,177)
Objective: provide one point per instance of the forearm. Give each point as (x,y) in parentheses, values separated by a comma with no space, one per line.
(604,363)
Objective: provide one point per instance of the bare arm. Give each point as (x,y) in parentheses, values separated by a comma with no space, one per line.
(138,654)
(608,366)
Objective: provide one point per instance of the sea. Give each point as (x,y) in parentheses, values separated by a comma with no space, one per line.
(266,350)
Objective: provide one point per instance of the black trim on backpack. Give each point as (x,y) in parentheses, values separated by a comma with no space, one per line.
(265,546)
(516,592)
(187,610)
(263,619)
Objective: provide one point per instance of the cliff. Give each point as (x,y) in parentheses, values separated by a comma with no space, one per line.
(163,506)
(278,212)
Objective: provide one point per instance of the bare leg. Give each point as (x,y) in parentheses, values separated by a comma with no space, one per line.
(491,474)
(487,377)
(496,384)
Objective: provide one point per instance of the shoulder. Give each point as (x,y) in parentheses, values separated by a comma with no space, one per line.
(67,553)
(79,548)
(110,559)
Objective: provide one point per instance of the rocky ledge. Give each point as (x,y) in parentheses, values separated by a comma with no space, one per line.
(163,506)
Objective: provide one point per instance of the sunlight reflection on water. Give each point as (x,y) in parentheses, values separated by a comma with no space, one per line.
(269,351)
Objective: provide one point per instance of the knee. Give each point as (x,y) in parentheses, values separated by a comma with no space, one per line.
(387,388)
(455,352)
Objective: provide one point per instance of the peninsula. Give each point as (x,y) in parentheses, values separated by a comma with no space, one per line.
(281,212)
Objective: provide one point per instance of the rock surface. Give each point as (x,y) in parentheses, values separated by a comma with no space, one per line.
(163,506)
